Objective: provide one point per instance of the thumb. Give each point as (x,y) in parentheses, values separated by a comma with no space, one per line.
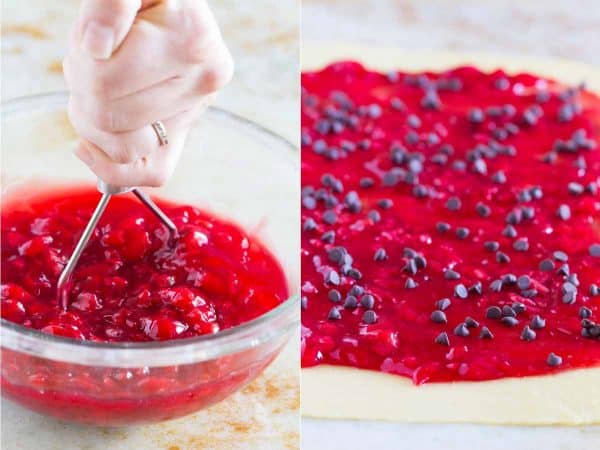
(103,24)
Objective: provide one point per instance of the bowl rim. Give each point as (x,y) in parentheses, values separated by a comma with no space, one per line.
(160,353)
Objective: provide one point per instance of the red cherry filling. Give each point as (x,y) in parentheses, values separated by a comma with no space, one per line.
(451,223)
(131,284)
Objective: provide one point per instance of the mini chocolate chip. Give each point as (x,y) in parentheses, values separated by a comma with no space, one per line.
(480,166)
(528,334)
(309,224)
(573,279)
(493,312)
(569,297)
(420,262)
(519,307)
(509,231)
(354,274)
(514,217)
(453,204)
(328,236)
(442,227)
(471,323)
(483,210)
(554,360)
(508,311)
(560,256)
(523,282)
(502,257)
(334,296)
(385,203)
(521,245)
(529,293)
(476,288)
(367,301)
(438,316)
(369,317)
(568,287)
(595,250)
(431,100)
(585,312)
(374,216)
(461,291)
(462,330)
(476,115)
(442,339)
(410,267)
(491,246)
(547,265)
(502,83)
(563,270)
(537,322)
(564,212)
(451,275)
(337,254)
(410,283)
(380,255)
(334,314)
(309,202)
(509,321)
(329,217)
(443,303)
(304,302)
(509,279)
(332,277)
(496,285)
(351,302)
(413,121)
(409,252)
(462,232)
(486,333)
(528,212)
(357,290)
(366,182)
(499,177)
(594,290)
(575,188)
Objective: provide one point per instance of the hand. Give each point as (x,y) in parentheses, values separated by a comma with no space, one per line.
(135,62)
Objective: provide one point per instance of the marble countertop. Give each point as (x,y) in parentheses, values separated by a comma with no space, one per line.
(264,415)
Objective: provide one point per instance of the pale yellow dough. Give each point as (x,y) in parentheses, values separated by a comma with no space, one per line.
(566,398)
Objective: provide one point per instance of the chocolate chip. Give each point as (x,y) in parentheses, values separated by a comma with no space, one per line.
(585,312)
(521,245)
(304,302)
(462,330)
(564,212)
(351,302)
(337,255)
(357,290)
(410,267)
(461,291)
(523,282)
(529,293)
(547,265)
(569,298)
(355,274)
(502,257)
(595,250)
(309,202)
(509,279)
(334,314)
(367,301)
(560,256)
(493,312)
(413,121)
(486,333)
(369,317)
(453,204)
(528,334)
(483,210)
(374,216)
(410,283)
(431,100)
(575,188)
(471,323)
(476,115)
(496,285)
(438,316)
(420,191)
(309,225)
(554,360)
(332,277)
(499,177)
(334,296)
(352,202)
(563,270)
(509,321)
(594,290)
(508,311)
(509,231)
(380,255)
(366,182)
(442,339)
(502,84)
(491,246)
(443,304)
(420,262)
(451,275)
(476,288)
(537,322)
(462,232)
(329,217)
(480,166)
(442,227)
(519,307)
(385,203)
(328,236)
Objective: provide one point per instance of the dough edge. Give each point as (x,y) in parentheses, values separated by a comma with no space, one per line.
(567,398)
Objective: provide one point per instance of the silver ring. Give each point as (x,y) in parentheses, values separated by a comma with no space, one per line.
(161,132)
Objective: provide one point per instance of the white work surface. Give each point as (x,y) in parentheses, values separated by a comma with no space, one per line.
(539,28)
(265,89)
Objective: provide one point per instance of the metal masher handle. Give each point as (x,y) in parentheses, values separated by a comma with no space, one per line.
(107,190)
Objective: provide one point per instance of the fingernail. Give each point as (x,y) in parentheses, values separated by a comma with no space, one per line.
(98,40)
(85,155)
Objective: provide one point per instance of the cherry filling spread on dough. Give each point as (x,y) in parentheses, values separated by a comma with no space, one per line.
(450,223)
(131,284)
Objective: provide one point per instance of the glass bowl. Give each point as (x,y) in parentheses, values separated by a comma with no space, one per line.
(231,167)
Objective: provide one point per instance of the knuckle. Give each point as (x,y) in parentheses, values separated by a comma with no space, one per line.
(218,74)
(156,177)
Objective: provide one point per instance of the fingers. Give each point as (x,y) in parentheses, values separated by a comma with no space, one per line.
(103,25)
(153,169)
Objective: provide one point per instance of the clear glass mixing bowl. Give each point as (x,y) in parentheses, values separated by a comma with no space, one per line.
(231,167)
